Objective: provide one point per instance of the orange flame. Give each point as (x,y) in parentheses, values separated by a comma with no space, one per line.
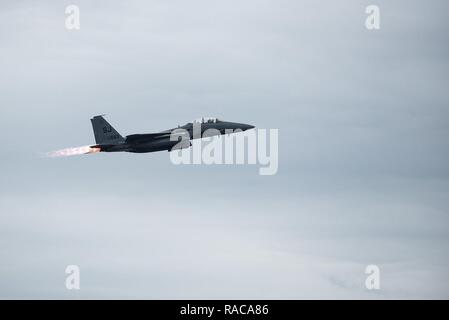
(94,150)
(73,151)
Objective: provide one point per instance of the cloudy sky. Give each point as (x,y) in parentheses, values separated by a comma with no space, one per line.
(363,149)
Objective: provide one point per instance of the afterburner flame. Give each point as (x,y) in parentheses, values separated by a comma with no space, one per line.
(72,151)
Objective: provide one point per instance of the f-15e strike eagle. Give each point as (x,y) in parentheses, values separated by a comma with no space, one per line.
(109,140)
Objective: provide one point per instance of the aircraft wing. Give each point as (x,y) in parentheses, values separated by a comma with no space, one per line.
(136,138)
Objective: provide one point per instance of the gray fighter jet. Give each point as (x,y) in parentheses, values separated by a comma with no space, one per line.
(109,140)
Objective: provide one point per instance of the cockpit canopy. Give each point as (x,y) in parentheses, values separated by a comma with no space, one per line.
(206,120)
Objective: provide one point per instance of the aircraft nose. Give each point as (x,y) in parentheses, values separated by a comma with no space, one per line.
(247,127)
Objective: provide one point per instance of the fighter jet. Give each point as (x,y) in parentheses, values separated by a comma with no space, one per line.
(107,139)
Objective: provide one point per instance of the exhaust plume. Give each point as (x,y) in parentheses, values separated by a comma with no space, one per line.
(72,151)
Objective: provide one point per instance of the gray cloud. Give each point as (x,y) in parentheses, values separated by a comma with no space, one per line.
(363,176)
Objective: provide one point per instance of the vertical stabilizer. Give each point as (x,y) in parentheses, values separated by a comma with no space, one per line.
(104,132)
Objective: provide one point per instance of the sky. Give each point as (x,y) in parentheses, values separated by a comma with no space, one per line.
(363,150)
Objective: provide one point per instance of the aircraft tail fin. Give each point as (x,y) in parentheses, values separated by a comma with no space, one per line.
(104,132)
